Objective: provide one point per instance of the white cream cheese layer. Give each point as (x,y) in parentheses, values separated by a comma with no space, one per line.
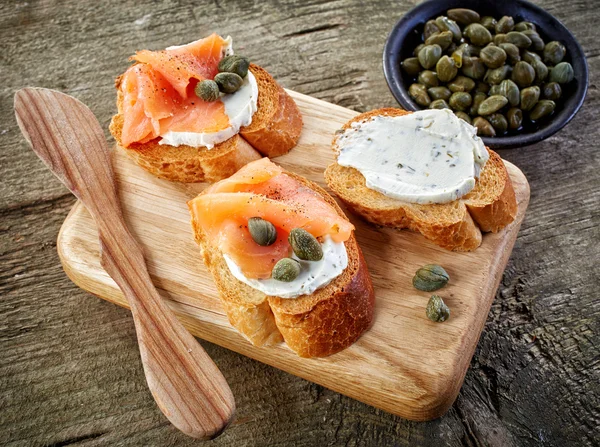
(239,107)
(429,156)
(313,274)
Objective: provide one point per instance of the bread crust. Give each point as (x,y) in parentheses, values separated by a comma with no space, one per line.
(457,225)
(275,129)
(316,325)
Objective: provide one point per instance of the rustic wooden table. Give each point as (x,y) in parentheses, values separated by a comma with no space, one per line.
(70,372)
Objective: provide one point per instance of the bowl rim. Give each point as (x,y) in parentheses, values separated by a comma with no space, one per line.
(400,93)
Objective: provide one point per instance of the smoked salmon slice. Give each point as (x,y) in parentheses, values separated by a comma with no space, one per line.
(263,189)
(158,92)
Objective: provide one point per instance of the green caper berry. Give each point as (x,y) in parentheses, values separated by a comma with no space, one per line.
(530,56)
(484,128)
(428,78)
(461,84)
(537,44)
(505,25)
(419,93)
(429,55)
(460,101)
(235,64)
(305,245)
(512,52)
(542,109)
(522,26)
(552,91)
(563,73)
(554,52)
(411,66)
(430,277)
(446,24)
(523,74)
(463,16)
(541,70)
(418,48)
(497,75)
(478,34)
(473,68)
(207,90)
(262,231)
(489,23)
(514,117)
(443,39)
(439,93)
(228,82)
(529,97)
(478,98)
(519,39)
(498,121)
(463,116)
(286,270)
(510,91)
(493,57)
(439,104)
(436,310)
(446,69)
(430,29)
(491,105)
(499,39)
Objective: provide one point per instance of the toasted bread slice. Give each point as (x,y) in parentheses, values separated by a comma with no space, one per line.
(277,123)
(457,225)
(275,129)
(316,325)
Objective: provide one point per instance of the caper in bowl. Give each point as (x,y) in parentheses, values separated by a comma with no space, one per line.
(509,68)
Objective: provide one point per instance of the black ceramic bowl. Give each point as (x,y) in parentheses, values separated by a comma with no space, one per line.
(406,35)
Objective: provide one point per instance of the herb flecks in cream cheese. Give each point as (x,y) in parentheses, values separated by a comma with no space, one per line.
(430,156)
(313,274)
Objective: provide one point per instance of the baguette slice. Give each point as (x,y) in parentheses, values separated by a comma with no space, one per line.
(316,325)
(457,225)
(275,129)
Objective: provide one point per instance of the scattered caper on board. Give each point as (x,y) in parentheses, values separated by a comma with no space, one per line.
(496,73)
(430,277)
(436,310)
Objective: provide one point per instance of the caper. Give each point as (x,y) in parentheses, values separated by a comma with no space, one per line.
(498,121)
(492,105)
(286,270)
(418,48)
(482,87)
(519,39)
(418,92)
(439,93)
(262,231)
(411,66)
(439,104)
(529,97)
(458,55)
(541,71)
(460,101)
(430,277)
(478,34)
(562,73)
(493,57)
(522,26)
(463,116)
(514,117)
(443,39)
(446,69)
(499,38)
(461,84)
(530,56)
(305,245)
(554,52)
(228,82)
(207,90)
(523,74)
(436,310)
(446,24)
(552,91)
(473,67)
(494,90)
(512,52)
(505,25)
(463,16)
(543,108)
(478,98)
(497,75)
(428,78)
(429,55)
(489,23)
(235,64)
(430,29)
(537,44)
(484,128)
(510,91)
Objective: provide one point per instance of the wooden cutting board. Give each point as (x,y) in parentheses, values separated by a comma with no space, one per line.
(404,364)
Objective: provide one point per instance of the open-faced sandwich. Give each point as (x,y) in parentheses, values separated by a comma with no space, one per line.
(285,260)
(426,171)
(197,112)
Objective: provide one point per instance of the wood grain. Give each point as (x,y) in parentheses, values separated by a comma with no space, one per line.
(70,372)
(404,364)
(186,384)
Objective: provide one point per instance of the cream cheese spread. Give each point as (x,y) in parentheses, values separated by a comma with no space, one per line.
(429,156)
(239,107)
(313,274)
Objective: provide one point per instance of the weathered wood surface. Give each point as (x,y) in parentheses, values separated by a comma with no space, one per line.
(70,370)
